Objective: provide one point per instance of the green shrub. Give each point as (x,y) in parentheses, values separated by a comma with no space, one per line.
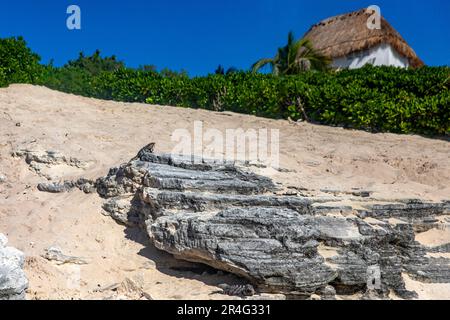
(18,64)
(381,99)
(95,64)
(372,98)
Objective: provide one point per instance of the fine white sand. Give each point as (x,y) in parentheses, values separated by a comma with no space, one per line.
(106,134)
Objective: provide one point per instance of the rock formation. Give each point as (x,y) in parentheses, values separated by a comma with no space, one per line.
(227,217)
(42,162)
(85,185)
(13,281)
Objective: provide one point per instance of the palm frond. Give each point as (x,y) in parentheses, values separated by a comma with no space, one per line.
(295,57)
(258,65)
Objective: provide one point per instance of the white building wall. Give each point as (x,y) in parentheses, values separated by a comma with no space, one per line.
(381,55)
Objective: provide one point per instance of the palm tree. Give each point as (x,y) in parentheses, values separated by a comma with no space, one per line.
(296,57)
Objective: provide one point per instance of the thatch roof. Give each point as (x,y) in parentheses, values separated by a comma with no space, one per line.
(344,34)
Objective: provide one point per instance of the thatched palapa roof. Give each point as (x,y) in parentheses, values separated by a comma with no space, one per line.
(344,34)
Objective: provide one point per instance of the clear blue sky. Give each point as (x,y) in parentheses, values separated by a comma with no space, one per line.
(197,35)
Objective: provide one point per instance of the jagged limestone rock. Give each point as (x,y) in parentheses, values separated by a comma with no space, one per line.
(85,185)
(48,158)
(56,254)
(328,293)
(273,248)
(124,210)
(54,187)
(225,216)
(13,281)
(42,162)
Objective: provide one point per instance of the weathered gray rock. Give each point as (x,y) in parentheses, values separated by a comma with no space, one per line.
(85,185)
(3,240)
(48,157)
(124,210)
(42,162)
(426,269)
(277,256)
(56,254)
(3,178)
(199,202)
(13,281)
(328,293)
(411,209)
(166,173)
(229,218)
(54,187)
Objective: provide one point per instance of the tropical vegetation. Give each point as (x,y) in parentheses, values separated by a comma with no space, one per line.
(378,99)
(294,58)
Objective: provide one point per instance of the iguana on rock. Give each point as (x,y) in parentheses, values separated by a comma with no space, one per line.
(148,148)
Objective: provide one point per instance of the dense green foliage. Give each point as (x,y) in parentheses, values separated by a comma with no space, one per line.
(95,64)
(76,76)
(372,98)
(17,63)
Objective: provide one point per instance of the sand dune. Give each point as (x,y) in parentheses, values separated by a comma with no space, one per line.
(104,134)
